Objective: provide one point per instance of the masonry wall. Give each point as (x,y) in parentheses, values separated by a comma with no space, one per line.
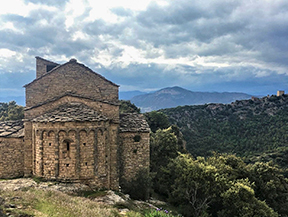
(70,78)
(12,157)
(134,154)
(79,151)
(41,66)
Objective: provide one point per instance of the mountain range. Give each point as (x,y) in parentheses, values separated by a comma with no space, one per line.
(176,96)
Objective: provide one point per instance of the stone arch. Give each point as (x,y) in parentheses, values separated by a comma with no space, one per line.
(62,134)
(51,133)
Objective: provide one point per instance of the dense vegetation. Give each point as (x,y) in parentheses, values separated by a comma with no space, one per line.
(11,111)
(218,186)
(255,129)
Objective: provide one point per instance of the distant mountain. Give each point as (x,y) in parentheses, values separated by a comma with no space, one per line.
(176,96)
(128,95)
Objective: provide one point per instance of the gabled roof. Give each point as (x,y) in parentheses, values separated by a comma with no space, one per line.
(133,122)
(72,61)
(12,129)
(71,112)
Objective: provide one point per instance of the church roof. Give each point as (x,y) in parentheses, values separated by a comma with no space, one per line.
(12,129)
(72,61)
(71,112)
(133,122)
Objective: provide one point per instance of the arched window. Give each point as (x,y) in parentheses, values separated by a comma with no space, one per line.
(66,148)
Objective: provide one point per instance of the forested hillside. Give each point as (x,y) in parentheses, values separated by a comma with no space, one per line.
(255,128)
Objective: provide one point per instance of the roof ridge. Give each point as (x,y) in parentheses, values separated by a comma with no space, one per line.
(72,61)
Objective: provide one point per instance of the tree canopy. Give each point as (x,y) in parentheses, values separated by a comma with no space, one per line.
(11,111)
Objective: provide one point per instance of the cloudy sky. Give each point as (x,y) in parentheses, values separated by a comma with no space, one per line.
(201,45)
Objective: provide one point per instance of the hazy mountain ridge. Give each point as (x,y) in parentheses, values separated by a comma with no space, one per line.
(176,96)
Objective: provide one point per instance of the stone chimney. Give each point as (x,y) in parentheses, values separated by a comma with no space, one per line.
(43,66)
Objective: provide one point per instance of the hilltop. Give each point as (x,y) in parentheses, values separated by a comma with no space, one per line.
(176,96)
(255,128)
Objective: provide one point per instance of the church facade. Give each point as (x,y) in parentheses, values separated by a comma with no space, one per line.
(73,131)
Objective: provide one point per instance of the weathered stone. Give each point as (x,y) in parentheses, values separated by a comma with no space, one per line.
(72,130)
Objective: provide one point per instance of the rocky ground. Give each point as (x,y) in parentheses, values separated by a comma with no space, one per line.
(10,204)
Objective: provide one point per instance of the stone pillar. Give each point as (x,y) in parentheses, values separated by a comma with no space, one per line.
(95,153)
(113,157)
(77,163)
(28,158)
(57,154)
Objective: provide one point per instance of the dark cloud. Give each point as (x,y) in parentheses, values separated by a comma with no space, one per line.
(242,43)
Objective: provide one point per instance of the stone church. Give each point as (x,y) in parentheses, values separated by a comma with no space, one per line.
(73,131)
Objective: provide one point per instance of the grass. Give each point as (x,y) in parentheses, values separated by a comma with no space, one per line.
(54,204)
(92,194)
(37,202)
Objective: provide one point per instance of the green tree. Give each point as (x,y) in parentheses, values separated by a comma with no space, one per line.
(127,107)
(270,185)
(163,148)
(11,111)
(240,201)
(194,186)
(218,186)
(157,120)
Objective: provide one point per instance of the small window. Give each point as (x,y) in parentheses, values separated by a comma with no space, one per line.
(137,138)
(68,146)
(49,67)
(49,144)
(84,144)
(67,165)
(86,163)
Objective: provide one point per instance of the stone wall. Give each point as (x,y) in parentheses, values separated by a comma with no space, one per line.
(70,77)
(79,151)
(42,66)
(12,157)
(134,153)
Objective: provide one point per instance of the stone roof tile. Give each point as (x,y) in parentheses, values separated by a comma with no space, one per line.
(133,122)
(13,129)
(71,112)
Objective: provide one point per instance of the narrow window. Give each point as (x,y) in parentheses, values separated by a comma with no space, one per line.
(68,146)
(84,143)
(49,144)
